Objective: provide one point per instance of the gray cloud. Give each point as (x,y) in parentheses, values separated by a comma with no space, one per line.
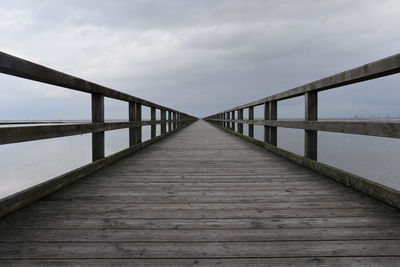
(198,56)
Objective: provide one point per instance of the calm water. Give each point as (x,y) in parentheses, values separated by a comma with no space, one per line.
(26,164)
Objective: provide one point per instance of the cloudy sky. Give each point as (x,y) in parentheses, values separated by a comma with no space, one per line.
(199,56)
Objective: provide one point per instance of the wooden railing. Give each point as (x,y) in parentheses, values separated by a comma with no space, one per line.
(25,69)
(311,125)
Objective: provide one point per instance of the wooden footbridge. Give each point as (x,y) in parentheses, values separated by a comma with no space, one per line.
(207,195)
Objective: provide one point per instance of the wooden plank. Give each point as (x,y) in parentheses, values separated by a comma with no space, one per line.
(46,223)
(227,235)
(200,250)
(56,207)
(213,214)
(210,188)
(209,199)
(260,261)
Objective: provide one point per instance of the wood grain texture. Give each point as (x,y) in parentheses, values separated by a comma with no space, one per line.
(203,197)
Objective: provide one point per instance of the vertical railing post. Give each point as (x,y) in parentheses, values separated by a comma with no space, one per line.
(251,117)
(97,117)
(153,120)
(240,117)
(311,137)
(163,124)
(138,119)
(175,120)
(266,117)
(228,117)
(132,118)
(273,115)
(233,123)
(169,121)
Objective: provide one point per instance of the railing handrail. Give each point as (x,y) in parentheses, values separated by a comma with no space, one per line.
(380,68)
(19,67)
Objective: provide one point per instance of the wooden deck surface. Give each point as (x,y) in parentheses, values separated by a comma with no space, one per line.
(203,197)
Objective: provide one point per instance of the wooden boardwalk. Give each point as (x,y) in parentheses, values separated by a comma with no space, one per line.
(203,197)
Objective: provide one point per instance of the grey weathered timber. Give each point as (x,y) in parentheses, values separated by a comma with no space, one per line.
(25,69)
(97,117)
(267,262)
(273,115)
(382,128)
(163,117)
(9,135)
(266,128)
(232,122)
(240,117)
(132,119)
(251,117)
(153,118)
(138,129)
(175,125)
(169,121)
(212,200)
(380,68)
(311,136)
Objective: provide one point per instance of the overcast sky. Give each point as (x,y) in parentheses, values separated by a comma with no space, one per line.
(199,56)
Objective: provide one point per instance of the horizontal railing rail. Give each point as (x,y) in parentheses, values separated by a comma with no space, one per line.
(364,127)
(170,121)
(10,135)
(232,120)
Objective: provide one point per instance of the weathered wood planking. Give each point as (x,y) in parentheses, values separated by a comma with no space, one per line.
(204,198)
